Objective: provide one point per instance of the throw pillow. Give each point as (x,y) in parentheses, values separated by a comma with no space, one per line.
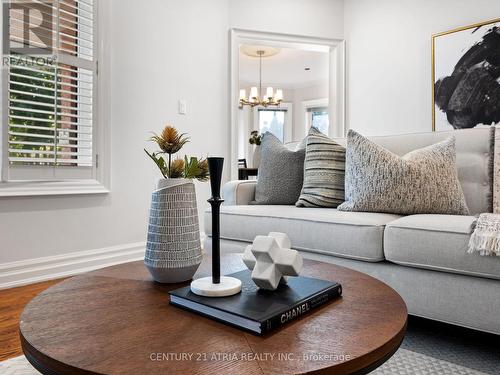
(280,172)
(424,181)
(324,168)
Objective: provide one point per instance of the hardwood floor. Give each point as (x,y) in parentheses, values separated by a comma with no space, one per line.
(12,302)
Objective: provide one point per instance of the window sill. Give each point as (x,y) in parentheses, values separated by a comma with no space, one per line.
(43,188)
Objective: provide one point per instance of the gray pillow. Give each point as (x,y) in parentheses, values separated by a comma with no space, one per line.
(280,172)
(424,181)
(324,168)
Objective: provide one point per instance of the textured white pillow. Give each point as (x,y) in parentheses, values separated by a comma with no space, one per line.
(424,181)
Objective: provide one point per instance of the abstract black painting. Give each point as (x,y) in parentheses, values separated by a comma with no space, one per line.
(466,77)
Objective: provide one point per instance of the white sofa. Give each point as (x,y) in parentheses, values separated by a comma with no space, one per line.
(423,257)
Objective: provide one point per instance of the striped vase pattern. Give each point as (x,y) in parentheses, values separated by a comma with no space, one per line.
(173,248)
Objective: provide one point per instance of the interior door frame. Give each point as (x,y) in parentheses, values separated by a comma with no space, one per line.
(336,50)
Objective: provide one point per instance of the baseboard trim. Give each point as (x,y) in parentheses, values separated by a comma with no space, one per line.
(47,268)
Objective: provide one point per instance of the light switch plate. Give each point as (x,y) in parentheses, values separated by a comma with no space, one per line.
(182,107)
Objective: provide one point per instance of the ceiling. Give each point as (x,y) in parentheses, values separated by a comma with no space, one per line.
(285,69)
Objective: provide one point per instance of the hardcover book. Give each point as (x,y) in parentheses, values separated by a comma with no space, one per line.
(258,310)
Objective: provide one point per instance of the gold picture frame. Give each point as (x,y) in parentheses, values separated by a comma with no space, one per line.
(433,58)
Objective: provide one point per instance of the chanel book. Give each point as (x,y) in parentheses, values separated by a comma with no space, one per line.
(257,310)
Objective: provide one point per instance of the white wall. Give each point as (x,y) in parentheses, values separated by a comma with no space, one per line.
(388,45)
(321,18)
(160,51)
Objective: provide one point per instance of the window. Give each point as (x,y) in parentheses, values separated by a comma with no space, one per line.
(316,112)
(318,117)
(273,121)
(49,102)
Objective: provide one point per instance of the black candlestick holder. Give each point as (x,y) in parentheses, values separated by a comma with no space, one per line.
(216,285)
(215,166)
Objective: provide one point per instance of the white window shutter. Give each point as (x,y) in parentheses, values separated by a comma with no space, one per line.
(51,103)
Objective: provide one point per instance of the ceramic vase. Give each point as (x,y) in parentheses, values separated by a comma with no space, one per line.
(173,249)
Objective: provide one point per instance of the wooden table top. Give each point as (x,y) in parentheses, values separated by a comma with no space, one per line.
(117,320)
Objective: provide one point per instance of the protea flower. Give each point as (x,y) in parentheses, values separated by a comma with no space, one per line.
(177,169)
(204,173)
(170,141)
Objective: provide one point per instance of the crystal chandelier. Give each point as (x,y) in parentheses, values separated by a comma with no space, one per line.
(271,98)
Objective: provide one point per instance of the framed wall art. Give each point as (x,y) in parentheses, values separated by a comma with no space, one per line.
(466,77)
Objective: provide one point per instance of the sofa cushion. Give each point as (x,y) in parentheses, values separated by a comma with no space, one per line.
(423,181)
(324,169)
(474,159)
(281,172)
(437,242)
(356,235)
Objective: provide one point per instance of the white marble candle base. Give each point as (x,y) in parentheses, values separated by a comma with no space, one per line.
(227,287)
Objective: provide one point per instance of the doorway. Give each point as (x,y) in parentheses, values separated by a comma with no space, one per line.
(290,119)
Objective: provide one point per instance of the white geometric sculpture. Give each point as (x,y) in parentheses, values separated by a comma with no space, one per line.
(271,260)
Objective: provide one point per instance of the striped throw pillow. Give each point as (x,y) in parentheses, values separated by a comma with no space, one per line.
(324,169)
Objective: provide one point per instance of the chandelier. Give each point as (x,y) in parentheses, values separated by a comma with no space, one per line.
(272,98)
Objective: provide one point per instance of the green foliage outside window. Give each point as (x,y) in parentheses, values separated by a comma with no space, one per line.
(32,95)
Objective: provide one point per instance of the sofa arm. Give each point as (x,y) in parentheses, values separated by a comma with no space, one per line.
(496,171)
(240,192)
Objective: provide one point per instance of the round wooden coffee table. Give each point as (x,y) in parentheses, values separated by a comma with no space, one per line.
(118,321)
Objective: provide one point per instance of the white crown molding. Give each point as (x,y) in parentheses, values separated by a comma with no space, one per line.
(29,271)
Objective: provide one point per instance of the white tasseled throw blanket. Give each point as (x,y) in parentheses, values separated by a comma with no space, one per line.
(485,239)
